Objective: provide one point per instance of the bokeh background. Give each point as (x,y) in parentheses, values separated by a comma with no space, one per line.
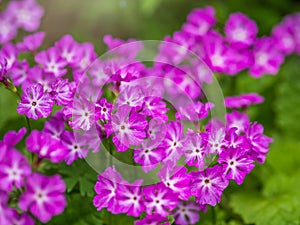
(271,194)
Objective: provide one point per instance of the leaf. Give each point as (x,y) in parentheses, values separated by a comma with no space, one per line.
(278,204)
(79,172)
(80,211)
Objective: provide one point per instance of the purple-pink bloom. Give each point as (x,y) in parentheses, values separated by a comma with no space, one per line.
(55,126)
(238,120)
(8,28)
(61,92)
(18,72)
(27,14)
(159,199)
(177,179)
(3,68)
(43,196)
(31,42)
(208,185)
(186,213)
(35,103)
(195,149)
(243,100)
(130,198)
(46,147)
(22,219)
(216,140)
(51,62)
(153,220)
(14,170)
(240,30)
(128,127)
(10,53)
(200,21)
(6,213)
(106,190)
(259,142)
(103,110)
(75,148)
(68,49)
(266,58)
(237,164)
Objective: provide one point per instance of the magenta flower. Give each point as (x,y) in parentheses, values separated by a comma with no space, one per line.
(51,62)
(259,142)
(10,53)
(18,72)
(61,92)
(106,190)
(23,219)
(128,128)
(234,140)
(172,143)
(75,149)
(46,147)
(43,196)
(103,110)
(3,68)
(216,140)
(6,213)
(12,138)
(177,179)
(82,114)
(31,42)
(35,103)
(266,58)
(195,149)
(186,213)
(14,169)
(55,126)
(238,120)
(159,200)
(240,30)
(200,21)
(208,185)
(68,49)
(27,14)
(149,156)
(132,96)
(130,199)
(243,100)
(8,29)
(236,164)
(153,220)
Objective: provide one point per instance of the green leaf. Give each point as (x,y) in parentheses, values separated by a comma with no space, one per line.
(80,211)
(82,174)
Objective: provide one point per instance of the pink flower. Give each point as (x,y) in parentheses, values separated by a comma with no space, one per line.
(240,30)
(238,120)
(45,146)
(8,29)
(61,92)
(23,219)
(6,213)
(103,110)
(243,100)
(236,163)
(43,196)
(266,58)
(187,213)
(195,149)
(200,21)
(208,185)
(51,62)
(35,103)
(106,190)
(128,128)
(27,14)
(10,53)
(130,198)
(31,42)
(159,200)
(18,72)
(14,169)
(153,220)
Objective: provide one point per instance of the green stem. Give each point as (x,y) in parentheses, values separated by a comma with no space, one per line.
(214,217)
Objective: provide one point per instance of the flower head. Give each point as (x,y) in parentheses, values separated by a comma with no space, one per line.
(43,196)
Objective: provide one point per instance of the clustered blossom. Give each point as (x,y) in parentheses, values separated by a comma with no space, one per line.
(76,94)
(43,196)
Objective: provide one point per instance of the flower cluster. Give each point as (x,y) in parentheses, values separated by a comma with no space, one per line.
(38,195)
(160,113)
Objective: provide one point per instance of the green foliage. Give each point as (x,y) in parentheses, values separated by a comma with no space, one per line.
(79,176)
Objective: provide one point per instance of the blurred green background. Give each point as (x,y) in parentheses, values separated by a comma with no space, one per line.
(271,194)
